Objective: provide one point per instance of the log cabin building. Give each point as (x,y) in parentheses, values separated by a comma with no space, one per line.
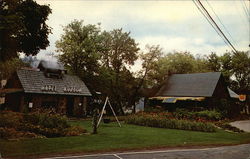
(48,86)
(194,91)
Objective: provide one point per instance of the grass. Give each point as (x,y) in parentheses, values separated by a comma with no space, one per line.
(111,137)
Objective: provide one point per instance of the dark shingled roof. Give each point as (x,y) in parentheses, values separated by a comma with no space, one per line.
(190,85)
(32,81)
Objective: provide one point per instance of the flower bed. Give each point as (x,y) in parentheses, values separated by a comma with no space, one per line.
(162,121)
(33,125)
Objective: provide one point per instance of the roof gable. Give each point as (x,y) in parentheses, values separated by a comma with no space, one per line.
(190,85)
(34,81)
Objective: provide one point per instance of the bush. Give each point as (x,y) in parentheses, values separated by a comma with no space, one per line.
(170,123)
(207,115)
(19,125)
(48,132)
(183,114)
(10,119)
(11,133)
(46,120)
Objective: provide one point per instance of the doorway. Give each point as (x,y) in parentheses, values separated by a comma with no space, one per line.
(70,106)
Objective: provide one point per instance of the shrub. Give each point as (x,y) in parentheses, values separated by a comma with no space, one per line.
(209,115)
(10,119)
(183,114)
(48,132)
(170,123)
(11,133)
(46,120)
(19,125)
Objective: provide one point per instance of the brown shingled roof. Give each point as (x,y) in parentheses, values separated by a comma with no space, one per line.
(34,81)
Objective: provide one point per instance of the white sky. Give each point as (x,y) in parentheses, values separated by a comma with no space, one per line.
(174,25)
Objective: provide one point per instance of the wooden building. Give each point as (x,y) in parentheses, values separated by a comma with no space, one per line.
(201,90)
(46,87)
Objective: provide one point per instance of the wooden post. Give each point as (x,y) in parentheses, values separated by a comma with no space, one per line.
(104,106)
(114,113)
(95,125)
(102,111)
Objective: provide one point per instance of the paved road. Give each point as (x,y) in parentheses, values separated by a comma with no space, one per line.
(243,125)
(225,152)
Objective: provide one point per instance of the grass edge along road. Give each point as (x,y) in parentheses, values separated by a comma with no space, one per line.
(111,137)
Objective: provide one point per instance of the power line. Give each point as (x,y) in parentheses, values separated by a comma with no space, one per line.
(210,22)
(214,23)
(221,22)
(217,26)
(246,11)
(245,21)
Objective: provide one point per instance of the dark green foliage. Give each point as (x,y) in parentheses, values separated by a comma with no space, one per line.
(175,62)
(22,28)
(209,115)
(230,64)
(40,124)
(229,109)
(7,68)
(80,47)
(47,120)
(170,123)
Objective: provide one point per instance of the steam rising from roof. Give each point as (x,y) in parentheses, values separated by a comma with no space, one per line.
(51,65)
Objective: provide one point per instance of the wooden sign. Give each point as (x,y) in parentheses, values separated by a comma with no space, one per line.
(49,88)
(72,89)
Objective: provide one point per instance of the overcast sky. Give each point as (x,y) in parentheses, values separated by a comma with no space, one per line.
(174,25)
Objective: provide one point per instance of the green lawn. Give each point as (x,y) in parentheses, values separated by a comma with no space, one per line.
(110,137)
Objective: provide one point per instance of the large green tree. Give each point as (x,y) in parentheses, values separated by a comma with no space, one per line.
(234,67)
(176,62)
(119,49)
(149,59)
(7,68)
(101,59)
(241,71)
(79,49)
(120,52)
(23,28)
(213,62)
